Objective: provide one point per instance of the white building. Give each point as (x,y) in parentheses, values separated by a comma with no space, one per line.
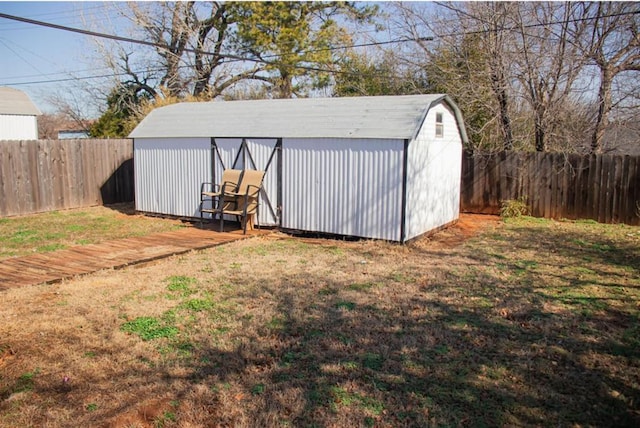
(383,167)
(18,116)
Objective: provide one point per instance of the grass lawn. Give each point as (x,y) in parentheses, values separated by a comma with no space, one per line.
(45,232)
(528,322)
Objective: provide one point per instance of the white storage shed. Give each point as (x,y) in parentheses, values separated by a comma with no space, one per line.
(18,115)
(384,167)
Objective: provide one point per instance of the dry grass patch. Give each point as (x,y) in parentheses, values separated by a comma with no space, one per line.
(45,232)
(527,323)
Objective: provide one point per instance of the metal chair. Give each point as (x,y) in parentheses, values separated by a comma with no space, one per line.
(244,202)
(213,197)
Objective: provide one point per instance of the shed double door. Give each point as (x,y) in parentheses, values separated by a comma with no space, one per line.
(259,154)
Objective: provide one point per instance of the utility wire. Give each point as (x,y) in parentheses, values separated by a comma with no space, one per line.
(230,57)
(233,58)
(540,24)
(191,50)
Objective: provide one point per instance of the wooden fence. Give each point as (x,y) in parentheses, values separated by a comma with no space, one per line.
(605,188)
(46,175)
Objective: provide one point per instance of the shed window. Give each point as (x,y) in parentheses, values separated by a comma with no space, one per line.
(439,126)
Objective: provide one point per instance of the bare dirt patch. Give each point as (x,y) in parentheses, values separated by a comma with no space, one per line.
(467,226)
(528,322)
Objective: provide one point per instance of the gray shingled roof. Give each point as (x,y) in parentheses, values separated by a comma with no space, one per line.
(393,117)
(13,101)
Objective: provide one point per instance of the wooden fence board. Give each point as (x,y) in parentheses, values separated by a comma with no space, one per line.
(605,188)
(633,200)
(45,175)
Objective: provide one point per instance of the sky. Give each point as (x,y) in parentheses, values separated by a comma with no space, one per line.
(31,55)
(44,62)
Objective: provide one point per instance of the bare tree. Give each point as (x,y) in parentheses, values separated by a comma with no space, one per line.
(547,62)
(70,108)
(514,68)
(188,57)
(48,125)
(613,46)
(467,59)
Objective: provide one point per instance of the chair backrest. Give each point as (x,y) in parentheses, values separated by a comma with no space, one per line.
(250,177)
(230,176)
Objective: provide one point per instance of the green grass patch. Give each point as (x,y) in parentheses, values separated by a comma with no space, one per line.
(341,397)
(24,236)
(197,305)
(258,389)
(50,247)
(149,328)
(277,323)
(25,382)
(347,305)
(372,361)
(328,291)
(46,232)
(167,417)
(181,285)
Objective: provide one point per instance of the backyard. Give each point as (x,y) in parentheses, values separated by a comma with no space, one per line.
(489,323)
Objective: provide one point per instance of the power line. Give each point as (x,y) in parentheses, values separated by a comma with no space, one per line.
(191,50)
(540,24)
(238,58)
(69,16)
(230,57)
(93,33)
(68,79)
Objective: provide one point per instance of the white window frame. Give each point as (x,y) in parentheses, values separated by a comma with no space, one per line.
(439,125)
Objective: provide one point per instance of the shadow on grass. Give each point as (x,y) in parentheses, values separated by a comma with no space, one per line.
(126,208)
(484,344)
(421,362)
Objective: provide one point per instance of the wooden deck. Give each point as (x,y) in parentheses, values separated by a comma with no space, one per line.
(80,260)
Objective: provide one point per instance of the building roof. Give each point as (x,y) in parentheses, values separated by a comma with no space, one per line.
(382,117)
(13,101)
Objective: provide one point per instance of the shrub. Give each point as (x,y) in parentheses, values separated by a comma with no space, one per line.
(514,207)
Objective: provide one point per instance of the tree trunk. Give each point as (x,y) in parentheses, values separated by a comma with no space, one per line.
(505,121)
(604,107)
(541,144)
(284,85)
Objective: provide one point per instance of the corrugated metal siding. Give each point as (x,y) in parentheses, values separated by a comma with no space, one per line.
(260,150)
(433,175)
(228,150)
(18,127)
(347,187)
(168,174)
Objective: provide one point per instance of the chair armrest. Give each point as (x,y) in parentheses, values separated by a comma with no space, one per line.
(217,189)
(204,184)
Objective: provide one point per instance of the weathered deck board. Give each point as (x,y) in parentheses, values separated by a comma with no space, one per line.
(80,260)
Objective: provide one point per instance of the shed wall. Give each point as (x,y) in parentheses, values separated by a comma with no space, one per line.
(433,175)
(168,174)
(348,187)
(259,152)
(18,127)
